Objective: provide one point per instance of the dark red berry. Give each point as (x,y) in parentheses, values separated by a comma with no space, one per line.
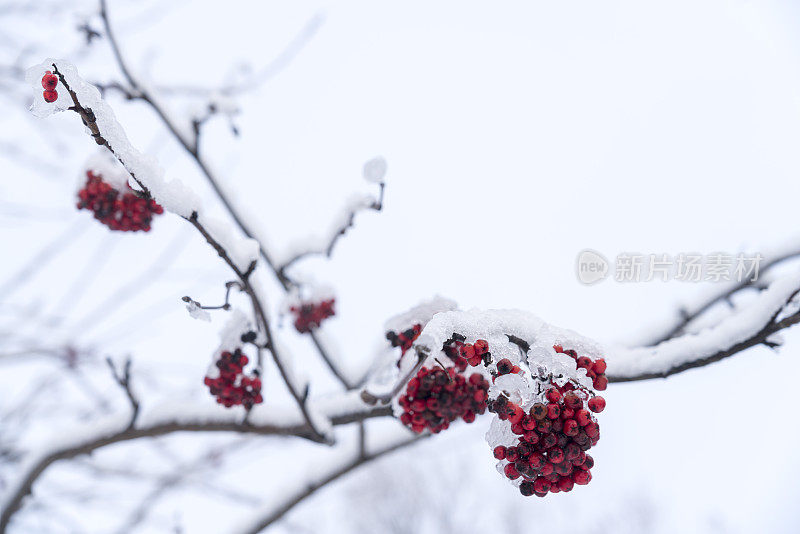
(597,404)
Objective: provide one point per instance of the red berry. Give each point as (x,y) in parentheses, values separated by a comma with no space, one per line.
(50,95)
(601,383)
(599,366)
(309,315)
(566,484)
(583,417)
(553,395)
(511,471)
(582,477)
(500,452)
(570,427)
(597,404)
(49,81)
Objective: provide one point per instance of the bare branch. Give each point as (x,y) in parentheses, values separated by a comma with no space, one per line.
(123,378)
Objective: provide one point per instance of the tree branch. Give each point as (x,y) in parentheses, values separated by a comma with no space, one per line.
(753,325)
(724,295)
(273,515)
(123,378)
(348,222)
(191,147)
(177,423)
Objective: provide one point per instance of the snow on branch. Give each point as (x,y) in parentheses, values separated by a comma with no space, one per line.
(723,292)
(754,324)
(171,418)
(240,254)
(374,172)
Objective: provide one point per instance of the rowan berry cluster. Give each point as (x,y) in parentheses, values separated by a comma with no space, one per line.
(595,369)
(309,315)
(554,435)
(232,387)
(464,354)
(49,83)
(436,397)
(124,212)
(404,339)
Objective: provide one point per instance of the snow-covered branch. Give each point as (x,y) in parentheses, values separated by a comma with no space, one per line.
(374,171)
(721,293)
(169,419)
(239,254)
(756,323)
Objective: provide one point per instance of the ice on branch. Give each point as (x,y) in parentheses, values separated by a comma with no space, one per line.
(197,312)
(173,194)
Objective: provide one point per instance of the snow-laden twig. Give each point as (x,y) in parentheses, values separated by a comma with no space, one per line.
(226,197)
(171,418)
(723,292)
(273,512)
(756,323)
(239,254)
(374,171)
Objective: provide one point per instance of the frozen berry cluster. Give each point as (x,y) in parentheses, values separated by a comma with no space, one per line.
(123,212)
(554,435)
(232,387)
(49,83)
(436,397)
(467,354)
(309,315)
(595,369)
(404,339)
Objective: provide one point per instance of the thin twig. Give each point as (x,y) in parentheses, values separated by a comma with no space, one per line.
(123,378)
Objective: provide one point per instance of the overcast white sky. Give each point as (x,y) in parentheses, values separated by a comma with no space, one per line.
(517,134)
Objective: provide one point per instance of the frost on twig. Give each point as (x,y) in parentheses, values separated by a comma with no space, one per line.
(374,172)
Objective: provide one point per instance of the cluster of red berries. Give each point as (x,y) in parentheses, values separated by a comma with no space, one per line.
(309,315)
(437,397)
(404,339)
(49,83)
(124,212)
(554,436)
(232,387)
(595,369)
(464,354)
